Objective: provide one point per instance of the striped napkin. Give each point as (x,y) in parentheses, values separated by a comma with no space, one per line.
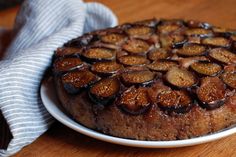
(41,26)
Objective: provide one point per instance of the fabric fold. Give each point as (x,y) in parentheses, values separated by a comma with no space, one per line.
(41,27)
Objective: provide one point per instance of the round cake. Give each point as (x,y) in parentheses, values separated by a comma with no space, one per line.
(150,80)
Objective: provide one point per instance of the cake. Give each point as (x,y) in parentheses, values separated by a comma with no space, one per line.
(150,80)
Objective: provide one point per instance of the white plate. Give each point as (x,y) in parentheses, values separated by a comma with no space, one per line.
(52,104)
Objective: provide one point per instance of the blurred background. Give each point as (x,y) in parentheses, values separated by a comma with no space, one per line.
(8,3)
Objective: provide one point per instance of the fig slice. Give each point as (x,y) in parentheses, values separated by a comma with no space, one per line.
(229,78)
(199,32)
(162,65)
(216,41)
(66,64)
(67,51)
(174,101)
(169,28)
(198,24)
(211,92)
(104,91)
(136,46)
(99,54)
(180,77)
(75,81)
(106,68)
(130,60)
(157,54)
(113,38)
(134,101)
(191,50)
(222,55)
(137,31)
(172,40)
(142,77)
(206,68)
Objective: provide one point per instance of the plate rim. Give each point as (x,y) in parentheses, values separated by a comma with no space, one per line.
(69,122)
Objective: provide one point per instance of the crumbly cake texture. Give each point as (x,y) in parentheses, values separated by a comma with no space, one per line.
(150,80)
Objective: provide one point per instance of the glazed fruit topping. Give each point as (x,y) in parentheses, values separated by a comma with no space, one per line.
(176,101)
(76,80)
(159,53)
(106,68)
(113,38)
(211,93)
(136,46)
(162,65)
(134,101)
(206,68)
(99,54)
(142,77)
(189,50)
(66,64)
(216,41)
(104,91)
(223,55)
(181,78)
(133,60)
(229,78)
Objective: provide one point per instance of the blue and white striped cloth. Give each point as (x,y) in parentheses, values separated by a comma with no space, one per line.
(41,26)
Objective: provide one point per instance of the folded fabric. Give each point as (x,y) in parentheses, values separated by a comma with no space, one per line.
(41,27)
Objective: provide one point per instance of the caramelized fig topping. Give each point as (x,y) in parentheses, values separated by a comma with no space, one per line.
(106,68)
(211,93)
(191,50)
(198,24)
(104,91)
(223,55)
(99,54)
(174,101)
(137,31)
(65,64)
(134,101)
(206,68)
(136,46)
(181,78)
(216,41)
(229,78)
(157,54)
(172,40)
(76,80)
(199,32)
(67,51)
(162,65)
(113,38)
(143,77)
(133,60)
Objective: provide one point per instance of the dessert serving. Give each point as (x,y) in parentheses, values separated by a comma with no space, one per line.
(150,80)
